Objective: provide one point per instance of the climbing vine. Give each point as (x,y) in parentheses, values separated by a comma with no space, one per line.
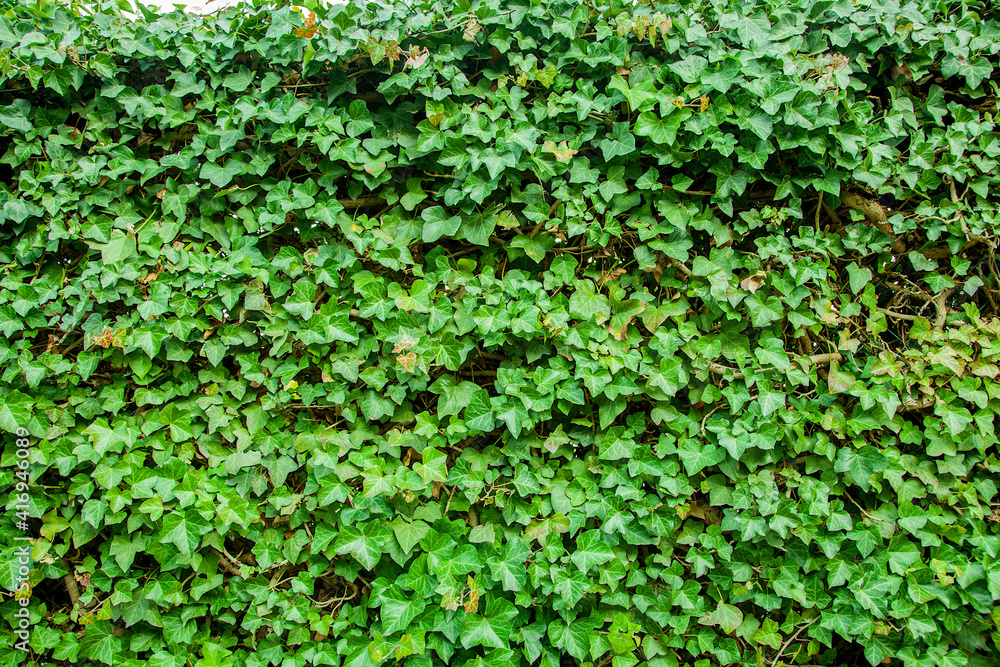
(500,333)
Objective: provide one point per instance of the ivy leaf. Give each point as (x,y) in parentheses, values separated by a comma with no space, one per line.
(184,530)
(590,551)
(726,616)
(438,223)
(364,543)
(399,609)
(696,457)
(637,97)
(478,413)
(509,568)
(15,411)
(100,643)
(621,142)
(570,584)
(360,120)
(861,464)
(839,381)
(409,533)
(772,353)
(574,637)
(492,627)
(586,304)
(433,467)
(221,176)
(956,418)
(858,277)
(534,247)
(660,130)
(119,248)
(477,228)
(768,634)
(412,643)
(454,395)
(753,30)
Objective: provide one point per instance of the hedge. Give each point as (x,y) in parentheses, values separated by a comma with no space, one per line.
(500,333)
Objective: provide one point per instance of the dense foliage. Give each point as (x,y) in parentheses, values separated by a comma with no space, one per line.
(505,333)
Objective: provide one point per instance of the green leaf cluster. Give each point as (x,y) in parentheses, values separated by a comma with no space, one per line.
(502,333)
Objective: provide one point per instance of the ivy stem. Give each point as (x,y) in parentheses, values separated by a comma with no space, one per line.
(774,662)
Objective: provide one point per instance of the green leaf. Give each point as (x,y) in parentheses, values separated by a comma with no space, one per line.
(690,68)
(586,304)
(772,353)
(364,544)
(621,142)
(409,533)
(221,176)
(433,467)
(454,395)
(478,413)
(753,30)
(360,119)
(15,411)
(574,637)
(414,194)
(438,223)
(725,616)
(534,247)
(120,248)
(696,457)
(858,277)
(399,609)
(100,643)
(660,130)
(492,627)
(956,418)
(861,464)
(15,116)
(238,81)
(477,228)
(509,568)
(183,529)
(641,95)
(768,634)
(590,551)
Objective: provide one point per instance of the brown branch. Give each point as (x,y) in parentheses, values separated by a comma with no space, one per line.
(825,359)
(833,214)
(677,264)
(906,291)
(226,564)
(71,587)
(719,369)
(898,316)
(942,308)
(363,202)
(912,405)
(465,251)
(875,212)
(296,86)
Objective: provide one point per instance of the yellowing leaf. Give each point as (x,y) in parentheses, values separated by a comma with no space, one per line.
(472,28)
